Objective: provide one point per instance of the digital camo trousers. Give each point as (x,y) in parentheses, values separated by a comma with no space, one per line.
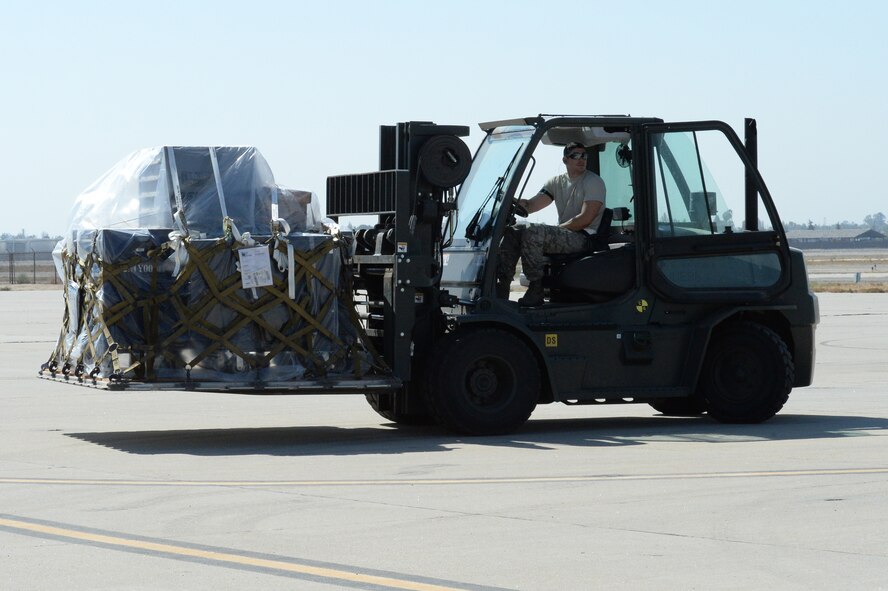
(530,243)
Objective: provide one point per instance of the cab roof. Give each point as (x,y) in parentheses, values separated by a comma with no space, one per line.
(551,119)
(589,130)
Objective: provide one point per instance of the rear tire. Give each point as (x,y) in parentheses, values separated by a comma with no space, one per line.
(483,382)
(747,374)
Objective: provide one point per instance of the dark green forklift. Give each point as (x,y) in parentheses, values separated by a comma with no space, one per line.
(691,302)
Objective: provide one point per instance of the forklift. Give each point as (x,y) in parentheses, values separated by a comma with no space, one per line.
(691,300)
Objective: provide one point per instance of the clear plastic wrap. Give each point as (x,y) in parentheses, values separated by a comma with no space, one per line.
(132,194)
(148,187)
(154,290)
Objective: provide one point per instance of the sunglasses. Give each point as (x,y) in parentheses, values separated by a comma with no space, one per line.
(577,155)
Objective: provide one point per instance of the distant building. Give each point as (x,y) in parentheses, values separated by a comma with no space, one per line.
(833,238)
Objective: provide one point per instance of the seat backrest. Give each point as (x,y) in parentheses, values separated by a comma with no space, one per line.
(601,238)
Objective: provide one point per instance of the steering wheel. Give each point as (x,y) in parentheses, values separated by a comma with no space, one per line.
(519,209)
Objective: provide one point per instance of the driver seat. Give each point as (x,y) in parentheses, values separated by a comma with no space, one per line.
(596,274)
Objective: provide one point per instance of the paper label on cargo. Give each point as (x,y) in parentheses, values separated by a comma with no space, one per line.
(255,267)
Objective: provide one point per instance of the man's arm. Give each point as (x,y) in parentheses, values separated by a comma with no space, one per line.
(587,215)
(537,202)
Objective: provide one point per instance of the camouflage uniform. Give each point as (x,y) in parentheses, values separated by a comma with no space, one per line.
(530,242)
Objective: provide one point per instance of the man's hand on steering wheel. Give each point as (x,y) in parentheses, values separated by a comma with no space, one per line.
(519,208)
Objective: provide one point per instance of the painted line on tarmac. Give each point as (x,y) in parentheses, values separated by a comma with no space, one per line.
(443,481)
(275,565)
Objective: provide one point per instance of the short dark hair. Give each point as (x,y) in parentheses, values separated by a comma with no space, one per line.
(573,146)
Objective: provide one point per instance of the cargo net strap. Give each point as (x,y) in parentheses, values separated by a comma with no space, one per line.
(85,343)
(134,320)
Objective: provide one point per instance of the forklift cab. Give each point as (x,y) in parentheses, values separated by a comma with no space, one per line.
(692,219)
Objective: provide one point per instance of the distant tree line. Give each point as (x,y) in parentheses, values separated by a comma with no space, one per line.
(24,236)
(874,221)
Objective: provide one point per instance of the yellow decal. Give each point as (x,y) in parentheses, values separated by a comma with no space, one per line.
(641,306)
(551,340)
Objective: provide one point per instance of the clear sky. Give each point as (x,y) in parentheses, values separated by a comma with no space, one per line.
(308,83)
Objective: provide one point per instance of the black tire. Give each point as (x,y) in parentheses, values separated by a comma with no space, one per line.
(747,374)
(483,382)
(382,404)
(691,406)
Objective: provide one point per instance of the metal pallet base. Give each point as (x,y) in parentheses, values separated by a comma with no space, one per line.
(305,386)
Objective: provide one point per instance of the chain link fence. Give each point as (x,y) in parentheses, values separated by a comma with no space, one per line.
(22,268)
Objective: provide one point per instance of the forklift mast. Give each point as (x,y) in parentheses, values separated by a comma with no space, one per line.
(399,261)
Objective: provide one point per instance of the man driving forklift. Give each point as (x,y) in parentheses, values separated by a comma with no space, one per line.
(579,196)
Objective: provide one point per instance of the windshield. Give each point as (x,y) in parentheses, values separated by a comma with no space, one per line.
(492,170)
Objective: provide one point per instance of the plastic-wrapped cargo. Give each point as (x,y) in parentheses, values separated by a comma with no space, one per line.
(187,266)
(147,188)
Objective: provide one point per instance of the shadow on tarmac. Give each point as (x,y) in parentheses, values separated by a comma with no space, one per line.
(543,434)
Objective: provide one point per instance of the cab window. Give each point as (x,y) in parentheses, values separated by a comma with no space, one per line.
(700,185)
(701,196)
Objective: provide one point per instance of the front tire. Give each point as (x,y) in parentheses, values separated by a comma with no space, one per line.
(384,405)
(747,374)
(690,406)
(483,382)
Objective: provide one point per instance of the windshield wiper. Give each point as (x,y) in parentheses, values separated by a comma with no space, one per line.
(479,227)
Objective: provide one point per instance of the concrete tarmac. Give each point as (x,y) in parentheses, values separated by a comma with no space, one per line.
(177,490)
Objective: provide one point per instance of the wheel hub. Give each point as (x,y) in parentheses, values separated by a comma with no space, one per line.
(483,385)
(744,373)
